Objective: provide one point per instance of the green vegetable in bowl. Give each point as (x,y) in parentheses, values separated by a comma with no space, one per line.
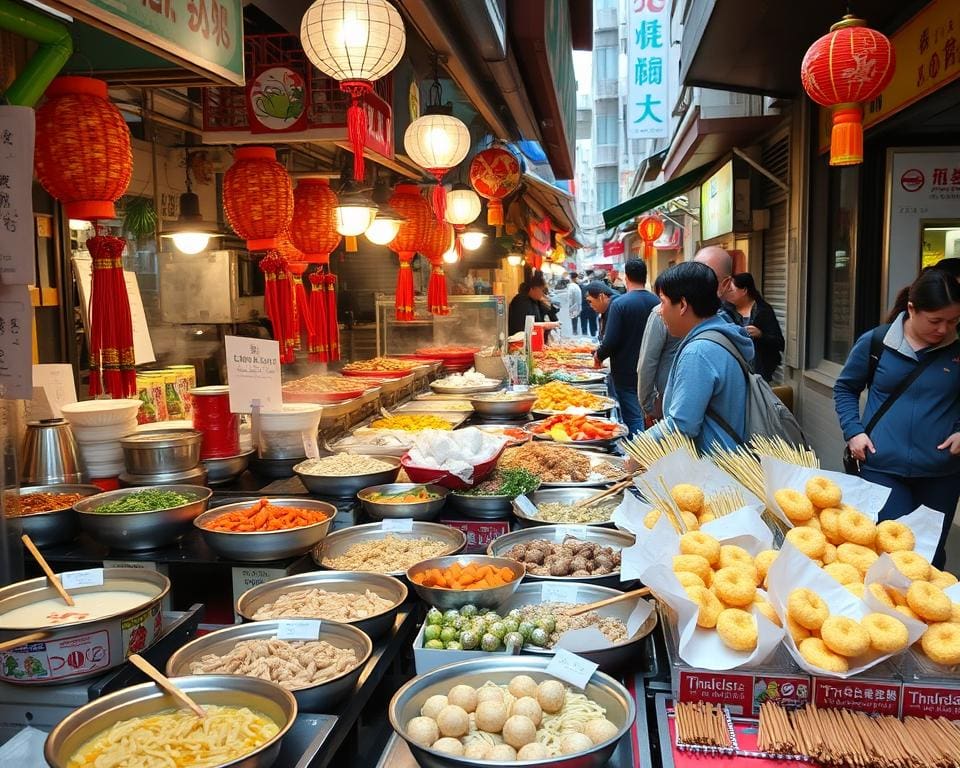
(507,482)
(147,500)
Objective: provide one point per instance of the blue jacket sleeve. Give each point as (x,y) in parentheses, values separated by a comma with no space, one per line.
(849,385)
(694,381)
(612,333)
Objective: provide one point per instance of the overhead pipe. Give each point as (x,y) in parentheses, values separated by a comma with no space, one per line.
(56,48)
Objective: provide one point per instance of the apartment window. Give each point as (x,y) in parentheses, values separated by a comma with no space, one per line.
(605,59)
(608,194)
(841,263)
(606,129)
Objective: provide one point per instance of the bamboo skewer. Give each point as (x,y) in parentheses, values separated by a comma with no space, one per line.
(611,491)
(51,576)
(164,682)
(642,592)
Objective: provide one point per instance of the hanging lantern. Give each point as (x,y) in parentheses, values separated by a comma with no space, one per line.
(849,65)
(472,238)
(439,241)
(355,42)
(463,205)
(82,155)
(313,229)
(354,214)
(410,239)
(258,197)
(650,228)
(495,175)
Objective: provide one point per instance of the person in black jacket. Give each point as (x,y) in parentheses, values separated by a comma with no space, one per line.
(531,299)
(760,321)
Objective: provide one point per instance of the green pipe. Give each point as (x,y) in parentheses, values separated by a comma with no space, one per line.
(56,47)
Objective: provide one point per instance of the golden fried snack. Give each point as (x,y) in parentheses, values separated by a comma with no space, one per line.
(808,540)
(830,524)
(797,507)
(906,611)
(688,579)
(887,634)
(735,586)
(930,603)
(894,537)
(763,561)
(912,565)
(941,643)
(737,629)
(807,608)
(858,556)
(829,553)
(941,579)
(767,610)
(709,604)
(857,528)
(694,564)
(815,651)
(797,632)
(688,497)
(703,544)
(855,588)
(878,591)
(823,492)
(843,572)
(845,636)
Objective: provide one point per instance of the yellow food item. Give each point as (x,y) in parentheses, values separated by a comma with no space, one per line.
(412,423)
(558,396)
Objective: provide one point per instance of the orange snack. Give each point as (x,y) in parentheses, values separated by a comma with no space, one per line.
(564,426)
(461,577)
(263,517)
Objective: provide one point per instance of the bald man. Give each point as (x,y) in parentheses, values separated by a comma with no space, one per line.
(721,262)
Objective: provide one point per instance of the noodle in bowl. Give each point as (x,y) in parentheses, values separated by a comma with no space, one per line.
(150,719)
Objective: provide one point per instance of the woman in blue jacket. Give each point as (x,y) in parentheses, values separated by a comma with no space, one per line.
(914,448)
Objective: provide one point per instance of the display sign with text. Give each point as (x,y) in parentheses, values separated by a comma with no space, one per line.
(253,373)
(648,67)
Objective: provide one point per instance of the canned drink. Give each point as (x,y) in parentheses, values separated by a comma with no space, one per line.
(212,418)
(186,380)
(171,395)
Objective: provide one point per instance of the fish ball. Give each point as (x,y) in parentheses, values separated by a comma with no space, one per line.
(433,705)
(449,746)
(423,731)
(477,750)
(519,731)
(522,685)
(489,693)
(464,696)
(600,730)
(572,743)
(453,721)
(533,751)
(491,715)
(528,707)
(551,694)
(502,753)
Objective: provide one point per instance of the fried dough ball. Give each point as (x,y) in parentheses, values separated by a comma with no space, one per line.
(797,507)
(797,632)
(845,636)
(808,540)
(731,554)
(843,572)
(694,564)
(688,579)
(453,721)
(807,608)
(858,556)
(906,611)
(688,497)
(930,603)
(941,643)
(815,651)
(423,730)
(650,519)
(941,579)
(763,561)
(829,553)
(887,634)
(830,525)
(881,594)
(699,543)
(823,492)
(737,629)
(894,537)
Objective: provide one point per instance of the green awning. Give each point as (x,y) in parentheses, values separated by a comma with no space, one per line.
(655,197)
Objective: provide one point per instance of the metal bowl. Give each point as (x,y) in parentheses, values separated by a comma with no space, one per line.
(339,542)
(617,656)
(102,643)
(226,469)
(499,407)
(481,507)
(602,689)
(345,486)
(56,526)
(373,626)
(141,530)
(563,496)
(418,510)
(261,546)
(599,443)
(445,599)
(321,697)
(147,699)
(195,476)
(558,533)
(439,387)
(157,453)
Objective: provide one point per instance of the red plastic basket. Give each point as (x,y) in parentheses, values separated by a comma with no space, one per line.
(444,478)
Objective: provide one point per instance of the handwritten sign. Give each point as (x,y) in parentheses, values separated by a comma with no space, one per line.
(92,577)
(398,524)
(571,668)
(16,316)
(298,629)
(253,372)
(53,387)
(17,130)
(558,593)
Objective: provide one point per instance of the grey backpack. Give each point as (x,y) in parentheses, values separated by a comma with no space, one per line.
(765,413)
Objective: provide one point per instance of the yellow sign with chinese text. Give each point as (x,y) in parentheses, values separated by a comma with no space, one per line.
(928,57)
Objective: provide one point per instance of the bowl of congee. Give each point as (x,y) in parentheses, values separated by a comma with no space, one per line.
(116,612)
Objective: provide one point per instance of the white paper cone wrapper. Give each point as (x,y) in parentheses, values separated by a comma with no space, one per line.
(679,467)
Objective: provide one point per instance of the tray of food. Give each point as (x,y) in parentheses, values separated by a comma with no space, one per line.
(503,405)
(469,382)
(491,498)
(323,388)
(579,429)
(383,367)
(559,466)
(344,474)
(560,397)
(559,506)
(417,422)
(435,406)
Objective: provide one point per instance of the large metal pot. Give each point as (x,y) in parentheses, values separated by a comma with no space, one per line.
(81,649)
(161,453)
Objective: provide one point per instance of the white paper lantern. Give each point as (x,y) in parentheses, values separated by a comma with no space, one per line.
(463,205)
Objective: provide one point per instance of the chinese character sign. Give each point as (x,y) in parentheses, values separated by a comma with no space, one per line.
(17,131)
(648,47)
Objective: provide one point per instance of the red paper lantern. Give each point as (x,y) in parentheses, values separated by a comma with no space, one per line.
(314,226)
(258,197)
(849,65)
(82,154)
(411,238)
(495,175)
(650,228)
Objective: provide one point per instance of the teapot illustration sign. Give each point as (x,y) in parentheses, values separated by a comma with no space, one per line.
(277,101)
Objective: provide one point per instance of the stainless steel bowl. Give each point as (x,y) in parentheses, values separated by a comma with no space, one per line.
(518,404)
(445,599)
(345,486)
(321,697)
(439,387)
(613,657)
(147,699)
(195,476)
(141,530)
(380,584)
(226,469)
(418,510)
(101,643)
(602,689)
(564,496)
(56,526)
(261,546)
(338,542)
(157,453)
(558,533)
(481,507)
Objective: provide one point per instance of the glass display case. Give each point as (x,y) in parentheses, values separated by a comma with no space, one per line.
(479,321)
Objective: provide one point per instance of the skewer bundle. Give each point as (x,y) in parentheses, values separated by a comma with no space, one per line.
(841,737)
(725,501)
(701,724)
(646,449)
(743,463)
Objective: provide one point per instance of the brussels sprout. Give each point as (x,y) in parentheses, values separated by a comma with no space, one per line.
(434,616)
(492,618)
(449,633)
(497,629)
(470,640)
(512,625)
(469,611)
(450,616)
(526,628)
(547,623)
(453,645)
(434,645)
(539,637)
(431,632)
(490,643)
(515,614)
(513,639)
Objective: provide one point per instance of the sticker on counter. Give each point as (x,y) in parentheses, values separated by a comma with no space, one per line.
(56,659)
(298,629)
(91,577)
(398,524)
(571,668)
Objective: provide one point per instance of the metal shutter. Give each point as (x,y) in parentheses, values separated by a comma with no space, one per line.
(776,159)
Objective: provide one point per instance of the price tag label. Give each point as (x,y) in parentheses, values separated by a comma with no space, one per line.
(398,524)
(298,629)
(571,668)
(576,531)
(92,577)
(310,445)
(526,506)
(558,593)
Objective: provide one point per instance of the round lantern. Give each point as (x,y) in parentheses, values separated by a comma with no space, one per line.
(463,205)
(82,154)
(849,65)
(437,142)
(313,229)
(258,197)
(355,42)
(495,175)
(650,228)
(411,237)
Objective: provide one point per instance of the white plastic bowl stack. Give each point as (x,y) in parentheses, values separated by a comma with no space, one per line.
(282,432)
(98,426)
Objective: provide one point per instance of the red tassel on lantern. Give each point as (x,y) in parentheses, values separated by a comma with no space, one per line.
(405,298)
(111,329)
(302,319)
(318,346)
(357,122)
(435,246)
(411,236)
(333,334)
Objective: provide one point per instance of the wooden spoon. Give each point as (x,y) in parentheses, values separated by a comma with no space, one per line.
(28,543)
(16,642)
(164,682)
(642,592)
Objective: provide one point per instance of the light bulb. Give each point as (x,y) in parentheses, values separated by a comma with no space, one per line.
(354,220)
(79,225)
(514,259)
(190,242)
(450,257)
(353,31)
(382,231)
(471,240)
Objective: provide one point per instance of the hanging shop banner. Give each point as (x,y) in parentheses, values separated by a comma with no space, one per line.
(17,130)
(928,57)
(205,36)
(277,101)
(648,46)
(613,248)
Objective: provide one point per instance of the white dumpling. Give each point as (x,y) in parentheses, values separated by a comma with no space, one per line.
(423,731)
(432,706)
(453,721)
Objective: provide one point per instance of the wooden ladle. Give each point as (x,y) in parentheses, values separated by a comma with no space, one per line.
(164,682)
(28,543)
(642,592)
